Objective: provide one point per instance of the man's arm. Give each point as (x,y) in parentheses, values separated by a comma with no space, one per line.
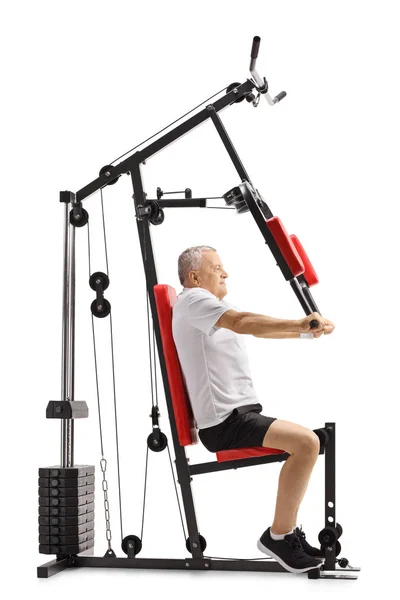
(279,336)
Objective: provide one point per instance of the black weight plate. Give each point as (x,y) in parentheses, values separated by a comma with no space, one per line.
(71,501)
(71,549)
(63,482)
(71,530)
(55,540)
(66,511)
(66,492)
(78,471)
(58,521)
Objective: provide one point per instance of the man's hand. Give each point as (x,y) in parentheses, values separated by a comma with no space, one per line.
(325,326)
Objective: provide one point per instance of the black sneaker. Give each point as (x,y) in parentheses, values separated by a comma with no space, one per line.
(308,549)
(287,552)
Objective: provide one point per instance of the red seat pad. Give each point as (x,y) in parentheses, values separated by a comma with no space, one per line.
(237,453)
(286,246)
(309,274)
(165,297)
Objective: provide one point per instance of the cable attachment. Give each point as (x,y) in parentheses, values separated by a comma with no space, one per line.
(100,307)
(78,217)
(157,441)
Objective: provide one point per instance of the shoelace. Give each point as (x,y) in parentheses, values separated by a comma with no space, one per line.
(295,543)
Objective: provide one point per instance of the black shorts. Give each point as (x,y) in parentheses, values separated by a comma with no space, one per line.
(244,428)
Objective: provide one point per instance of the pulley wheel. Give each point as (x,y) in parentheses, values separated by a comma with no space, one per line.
(339,529)
(231,87)
(327,536)
(203,544)
(163,443)
(159,218)
(109,169)
(338,548)
(79,222)
(104,311)
(105,282)
(131,539)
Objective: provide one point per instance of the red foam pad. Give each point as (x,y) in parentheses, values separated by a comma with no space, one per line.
(237,453)
(286,246)
(309,273)
(165,297)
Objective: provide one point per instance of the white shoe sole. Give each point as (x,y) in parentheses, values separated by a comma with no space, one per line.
(267,551)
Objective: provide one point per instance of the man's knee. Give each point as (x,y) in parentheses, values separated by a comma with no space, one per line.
(291,438)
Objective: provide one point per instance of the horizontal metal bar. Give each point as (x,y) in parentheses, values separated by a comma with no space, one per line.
(136,159)
(53,567)
(186,564)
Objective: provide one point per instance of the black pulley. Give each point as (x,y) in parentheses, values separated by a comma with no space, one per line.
(338,548)
(203,544)
(231,87)
(79,218)
(339,529)
(156,214)
(327,536)
(131,545)
(101,310)
(107,170)
(95,277)
(155,445)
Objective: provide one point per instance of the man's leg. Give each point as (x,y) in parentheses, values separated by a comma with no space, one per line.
(303,445)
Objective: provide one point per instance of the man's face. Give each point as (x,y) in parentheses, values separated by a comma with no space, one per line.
(211,275)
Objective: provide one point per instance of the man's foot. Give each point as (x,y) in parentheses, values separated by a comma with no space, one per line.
(308,549)
(288,552)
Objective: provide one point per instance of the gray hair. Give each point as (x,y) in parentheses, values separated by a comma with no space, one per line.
(189,260)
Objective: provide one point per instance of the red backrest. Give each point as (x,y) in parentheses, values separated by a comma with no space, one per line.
(165,297)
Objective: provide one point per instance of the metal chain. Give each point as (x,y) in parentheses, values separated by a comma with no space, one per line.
(103,466)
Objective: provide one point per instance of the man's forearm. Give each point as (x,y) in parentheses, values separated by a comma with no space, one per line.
(279,336)
(261,325)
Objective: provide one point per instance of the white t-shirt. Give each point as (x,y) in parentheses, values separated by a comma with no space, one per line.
(213,359)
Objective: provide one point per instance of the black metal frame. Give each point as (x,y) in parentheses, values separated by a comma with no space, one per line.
(197,560)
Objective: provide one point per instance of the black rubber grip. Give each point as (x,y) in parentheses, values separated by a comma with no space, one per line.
(314,324)
(280,96)
(255,47)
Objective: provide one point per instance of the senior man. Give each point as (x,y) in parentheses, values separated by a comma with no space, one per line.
(208,334)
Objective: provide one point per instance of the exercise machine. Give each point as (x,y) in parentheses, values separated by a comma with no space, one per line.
(66,491)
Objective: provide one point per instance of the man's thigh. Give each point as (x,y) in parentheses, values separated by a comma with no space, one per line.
(290,437)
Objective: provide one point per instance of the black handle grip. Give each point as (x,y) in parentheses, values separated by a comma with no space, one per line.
(280,96)
(255,47)
(314,324)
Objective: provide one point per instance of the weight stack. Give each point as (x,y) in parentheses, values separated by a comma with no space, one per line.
(66,509)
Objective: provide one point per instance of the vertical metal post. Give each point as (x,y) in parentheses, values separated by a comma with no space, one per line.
(68,339)
(330,497)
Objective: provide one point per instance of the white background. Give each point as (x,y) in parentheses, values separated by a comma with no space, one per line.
(85,82)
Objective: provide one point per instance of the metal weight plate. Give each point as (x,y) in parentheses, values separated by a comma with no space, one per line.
(65,482)
(78,471)
(63,549)
(66,511)
(75,492)
(60,521)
